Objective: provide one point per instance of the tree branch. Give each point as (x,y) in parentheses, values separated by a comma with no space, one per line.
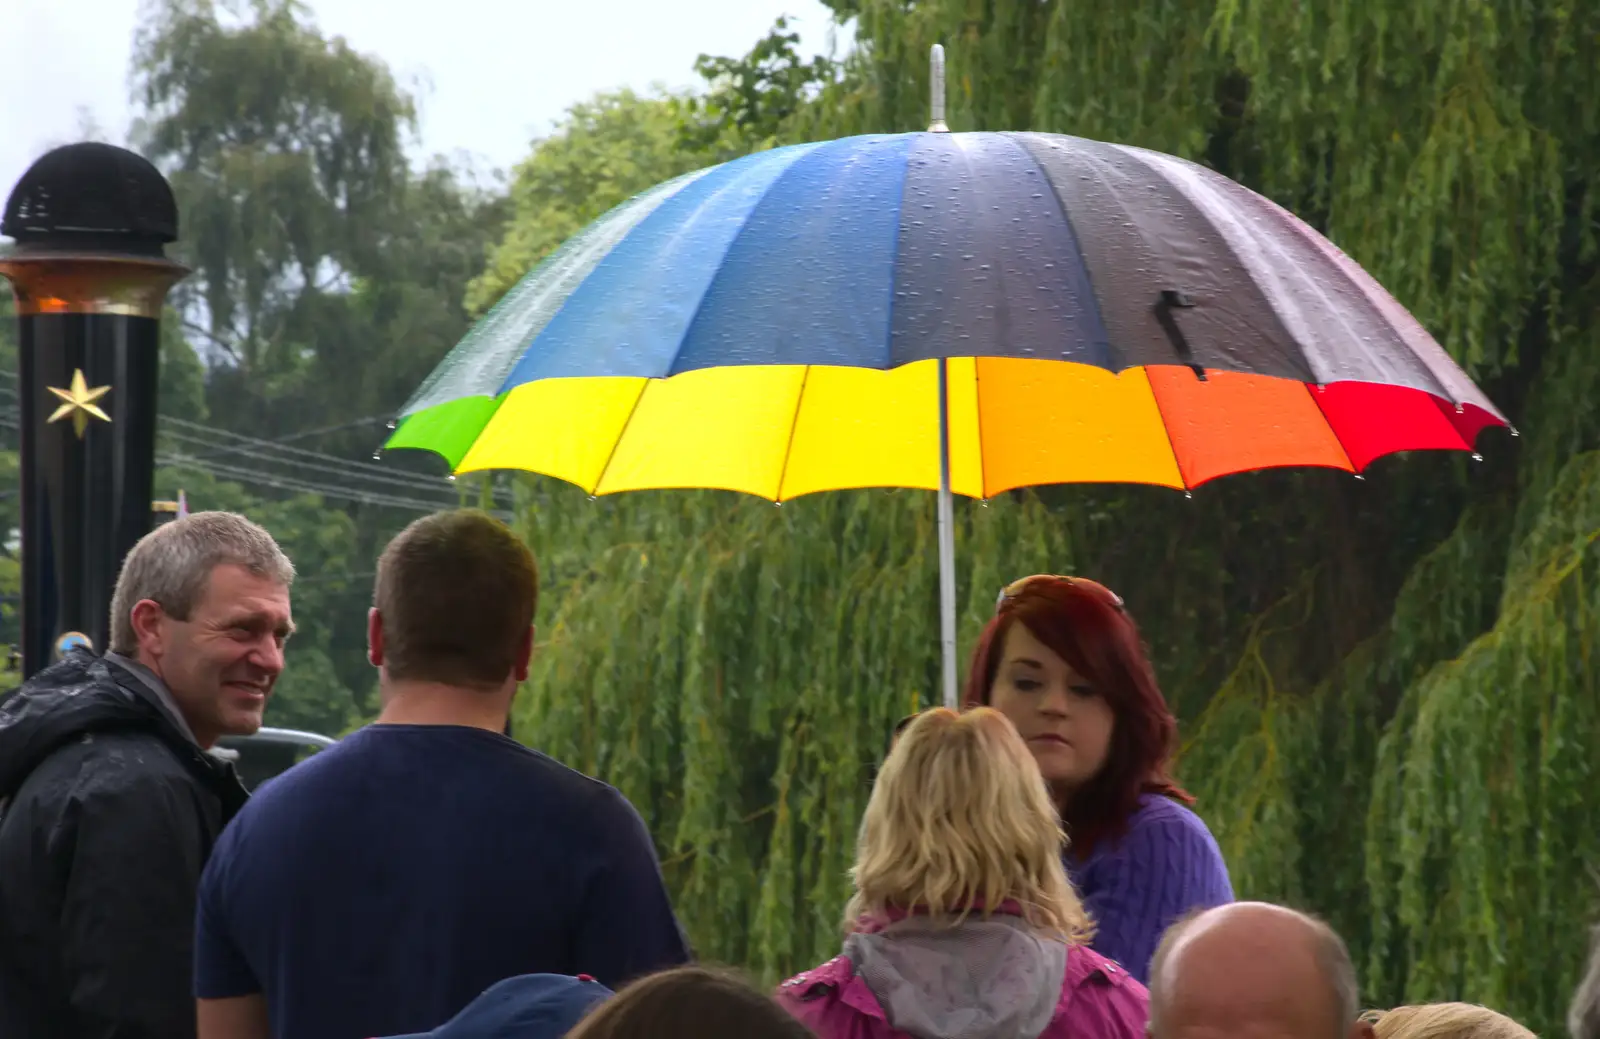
(212,338)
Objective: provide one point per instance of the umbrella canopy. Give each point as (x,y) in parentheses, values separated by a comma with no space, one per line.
(974,312)
(771,325)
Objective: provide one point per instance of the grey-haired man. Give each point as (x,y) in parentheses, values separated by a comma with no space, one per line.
(109,803)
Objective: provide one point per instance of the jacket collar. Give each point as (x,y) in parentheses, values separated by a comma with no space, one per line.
(838,978)
(218,775)
(157,690)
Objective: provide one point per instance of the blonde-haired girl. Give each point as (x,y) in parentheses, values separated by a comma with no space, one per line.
(963,924)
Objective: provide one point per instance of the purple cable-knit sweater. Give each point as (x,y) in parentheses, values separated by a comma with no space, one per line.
(1135,886)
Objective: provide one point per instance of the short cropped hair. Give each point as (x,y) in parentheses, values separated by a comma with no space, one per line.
(1332,955)
(1444,1021)
(171,566)
(960,820)
(457,593)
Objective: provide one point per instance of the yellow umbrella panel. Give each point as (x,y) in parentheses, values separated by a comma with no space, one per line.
(784,431)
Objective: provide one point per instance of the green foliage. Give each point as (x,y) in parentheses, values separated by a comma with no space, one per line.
(1485,847)
(287,154)
(408,304)
(606,150)
(750,101)
(182,389)
(315,248)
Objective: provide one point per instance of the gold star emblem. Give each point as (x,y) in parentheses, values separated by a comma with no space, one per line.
(79,403)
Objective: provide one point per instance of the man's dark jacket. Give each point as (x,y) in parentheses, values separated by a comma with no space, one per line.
(107,815)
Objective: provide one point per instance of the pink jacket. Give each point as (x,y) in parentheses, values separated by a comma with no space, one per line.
(981,979)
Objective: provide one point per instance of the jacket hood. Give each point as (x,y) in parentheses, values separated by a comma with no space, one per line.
(79,693)
(981,979)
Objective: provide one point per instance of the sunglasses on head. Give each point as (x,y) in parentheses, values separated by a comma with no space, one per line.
(1017,587)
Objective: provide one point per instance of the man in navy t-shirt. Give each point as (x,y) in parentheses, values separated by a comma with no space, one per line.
(381,886)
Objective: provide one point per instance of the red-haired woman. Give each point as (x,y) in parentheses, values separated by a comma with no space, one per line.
(1063,661)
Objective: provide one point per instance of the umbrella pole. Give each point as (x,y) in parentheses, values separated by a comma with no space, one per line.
(947,542)
(947,506)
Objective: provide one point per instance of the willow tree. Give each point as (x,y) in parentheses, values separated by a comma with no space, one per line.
(1385,685)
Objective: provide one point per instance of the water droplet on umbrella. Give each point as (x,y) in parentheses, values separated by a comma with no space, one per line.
(592,497)
(1359,476)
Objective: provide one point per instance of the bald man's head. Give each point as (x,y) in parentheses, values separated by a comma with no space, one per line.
(1250,970)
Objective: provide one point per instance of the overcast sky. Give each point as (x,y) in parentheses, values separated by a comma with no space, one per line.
(490,74)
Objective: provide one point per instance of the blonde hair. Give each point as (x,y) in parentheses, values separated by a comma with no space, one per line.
(960,819)
(1444,1021)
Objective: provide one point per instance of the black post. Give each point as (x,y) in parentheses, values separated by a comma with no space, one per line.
(90,277)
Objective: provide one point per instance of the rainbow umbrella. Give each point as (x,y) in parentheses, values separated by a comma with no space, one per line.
(966,312)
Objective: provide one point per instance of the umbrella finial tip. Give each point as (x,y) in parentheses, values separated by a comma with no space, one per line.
(936,89)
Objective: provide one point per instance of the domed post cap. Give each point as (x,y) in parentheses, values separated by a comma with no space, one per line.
(91,223)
